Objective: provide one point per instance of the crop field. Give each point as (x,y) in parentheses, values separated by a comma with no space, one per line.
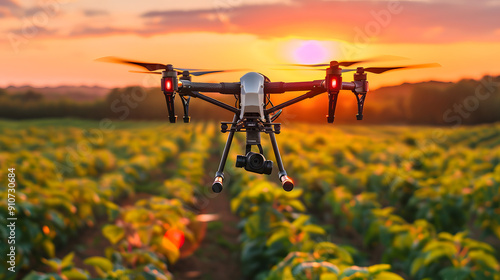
(133,200)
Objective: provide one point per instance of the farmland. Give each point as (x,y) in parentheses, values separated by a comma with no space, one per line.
(370,202)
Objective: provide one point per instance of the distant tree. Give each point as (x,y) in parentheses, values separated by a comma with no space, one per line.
(32,96)
(427,105)
(29,95)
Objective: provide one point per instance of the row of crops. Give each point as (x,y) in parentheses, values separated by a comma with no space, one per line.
(423,200)
(69,178)
(369,202)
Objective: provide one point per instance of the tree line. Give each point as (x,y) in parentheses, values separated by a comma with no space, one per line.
(432,103)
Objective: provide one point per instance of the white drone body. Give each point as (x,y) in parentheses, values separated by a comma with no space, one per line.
(252,95)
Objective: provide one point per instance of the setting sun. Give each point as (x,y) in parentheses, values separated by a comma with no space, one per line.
(309,52)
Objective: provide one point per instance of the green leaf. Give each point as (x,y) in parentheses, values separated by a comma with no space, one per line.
(170,250)
(153,273)
(36,276)
(100,262)
(49,248)
(297,205)
(306,265)
(385,275)
(278,235)
(455,273)
(292,195)
(484,258)
(328,276)
(287,273)
(353,270)
(113,233)
(378,268)
(446,236)
(300,221)
(416,265)
(438,250)
(111,205)
(75,274)
(313,229)
(68,260)
(55,265)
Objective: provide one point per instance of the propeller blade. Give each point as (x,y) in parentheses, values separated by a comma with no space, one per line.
(313,69)
(201,73)
(186,69)
(376,70)
(348,70)
(157,66)
(380,70)
(144,72)
(196,73)
(349,63)
(148,66)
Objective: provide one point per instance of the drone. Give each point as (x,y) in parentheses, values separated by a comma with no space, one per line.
(254,112)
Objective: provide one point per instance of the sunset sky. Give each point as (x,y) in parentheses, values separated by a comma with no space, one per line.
(50,43)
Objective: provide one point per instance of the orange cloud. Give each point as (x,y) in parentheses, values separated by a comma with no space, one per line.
(353,21)
(383,21)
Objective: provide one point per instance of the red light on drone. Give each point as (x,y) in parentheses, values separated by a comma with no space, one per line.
(168,85)
(335,83)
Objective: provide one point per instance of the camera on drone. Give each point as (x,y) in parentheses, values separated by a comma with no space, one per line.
(255,162)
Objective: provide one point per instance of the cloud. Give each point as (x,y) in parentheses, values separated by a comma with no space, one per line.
(418,22)
(8,8)
(99,31)
(429,21)
(95,12)
(8,4)
(32,31)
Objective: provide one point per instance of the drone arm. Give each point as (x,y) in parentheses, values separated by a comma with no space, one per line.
(309,94)
(224,88)
(272,87)
(348,85)
(216,102)
(281,87)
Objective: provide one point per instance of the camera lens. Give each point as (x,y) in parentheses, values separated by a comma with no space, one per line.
(256,161)
(241,161)
(268,167)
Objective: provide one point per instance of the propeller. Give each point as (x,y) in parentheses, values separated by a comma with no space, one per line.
(349,63)
(195,73)
(146,72)
(151,67)
(148,66)
(377,70)
(380,70)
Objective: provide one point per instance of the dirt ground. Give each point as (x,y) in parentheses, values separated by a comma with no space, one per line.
(218,257)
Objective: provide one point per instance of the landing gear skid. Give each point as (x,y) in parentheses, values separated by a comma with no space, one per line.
(253,126)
